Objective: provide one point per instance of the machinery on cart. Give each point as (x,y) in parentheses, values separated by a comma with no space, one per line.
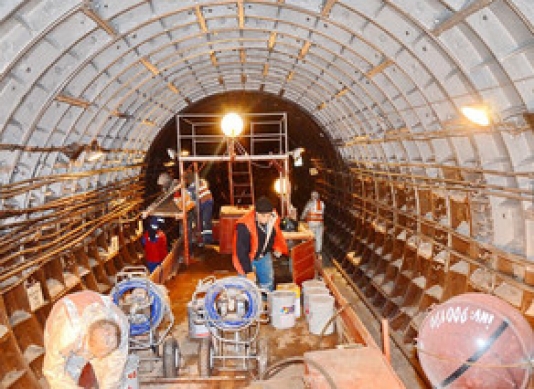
(232,309)
(147,307)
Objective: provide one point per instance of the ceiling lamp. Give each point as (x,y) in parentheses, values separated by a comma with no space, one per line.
(232,125)
(478,114)
(94,152)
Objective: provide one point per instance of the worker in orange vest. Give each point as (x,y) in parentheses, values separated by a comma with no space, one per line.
(205,200)
(313,214)
(257,234)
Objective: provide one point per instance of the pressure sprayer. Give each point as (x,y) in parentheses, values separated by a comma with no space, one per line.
(147,307)
(232,309)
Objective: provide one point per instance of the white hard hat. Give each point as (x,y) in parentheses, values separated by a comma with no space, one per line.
(315,195)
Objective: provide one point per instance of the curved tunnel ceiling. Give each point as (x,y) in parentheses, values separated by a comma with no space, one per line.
(383,78)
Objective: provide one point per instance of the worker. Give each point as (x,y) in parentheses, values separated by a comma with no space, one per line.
(257,234)
(205,199)
(190,213)
(85,331)
(313,213)
(154,242)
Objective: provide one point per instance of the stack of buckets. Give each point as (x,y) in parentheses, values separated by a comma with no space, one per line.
(318,306)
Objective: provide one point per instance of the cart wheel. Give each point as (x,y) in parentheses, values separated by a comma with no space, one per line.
(205,362)
(263,356)
(171,358)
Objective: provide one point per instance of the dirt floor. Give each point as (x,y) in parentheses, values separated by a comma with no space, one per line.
(283,343)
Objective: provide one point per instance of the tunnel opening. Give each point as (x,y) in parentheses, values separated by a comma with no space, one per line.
(303,132)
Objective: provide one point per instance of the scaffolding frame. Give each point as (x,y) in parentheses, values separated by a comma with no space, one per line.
(196,134)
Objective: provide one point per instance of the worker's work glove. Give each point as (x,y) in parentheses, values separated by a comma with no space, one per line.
(251,276)
(277,254)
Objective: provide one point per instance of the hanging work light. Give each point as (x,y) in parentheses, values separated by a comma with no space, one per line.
(232,125)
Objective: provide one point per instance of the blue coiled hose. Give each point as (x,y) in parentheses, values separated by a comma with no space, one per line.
(157,309)
(248,288)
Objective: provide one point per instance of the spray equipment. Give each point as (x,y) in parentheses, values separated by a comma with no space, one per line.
(230,303)
(232,309)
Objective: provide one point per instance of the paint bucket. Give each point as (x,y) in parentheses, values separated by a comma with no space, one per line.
(282,309)
(313,291)
(311,284)
(131,375)
(321,310)
(292,287)
(196,322)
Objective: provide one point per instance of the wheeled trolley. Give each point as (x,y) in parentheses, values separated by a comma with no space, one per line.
(232,309)
(147,307)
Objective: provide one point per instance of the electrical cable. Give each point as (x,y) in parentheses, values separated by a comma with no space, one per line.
(290,360)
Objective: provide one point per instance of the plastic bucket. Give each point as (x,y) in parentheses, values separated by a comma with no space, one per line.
(321,310)
(282,309)
(197,326)
(292,287)
(323,291)
(311,284)
(131,376)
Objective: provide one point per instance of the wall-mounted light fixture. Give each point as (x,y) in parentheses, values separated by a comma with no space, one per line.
(94,152)
(297,156)
(478,114)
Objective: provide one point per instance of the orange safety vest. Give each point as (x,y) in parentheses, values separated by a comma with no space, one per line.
(249,220)
(316,213)
(204,194)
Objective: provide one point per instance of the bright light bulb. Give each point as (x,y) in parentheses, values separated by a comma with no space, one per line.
(477,114)
(281,185)
(232,125)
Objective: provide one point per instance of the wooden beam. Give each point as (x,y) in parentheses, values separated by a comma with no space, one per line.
(103,24)
(328,7)
(379,68)
(173,87)
(272,41)
(460,16)
(305,49)
(73,101)
(201,20)
(265,69)
(241,14)
(150,66)
(213,58)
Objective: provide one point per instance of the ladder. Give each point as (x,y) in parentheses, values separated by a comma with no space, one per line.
(241,182)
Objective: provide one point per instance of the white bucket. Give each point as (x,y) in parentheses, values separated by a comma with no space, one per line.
(321,310)
(312,284)
(313,291)
(292,287)
(197,327)
(282,309)
(131,375)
